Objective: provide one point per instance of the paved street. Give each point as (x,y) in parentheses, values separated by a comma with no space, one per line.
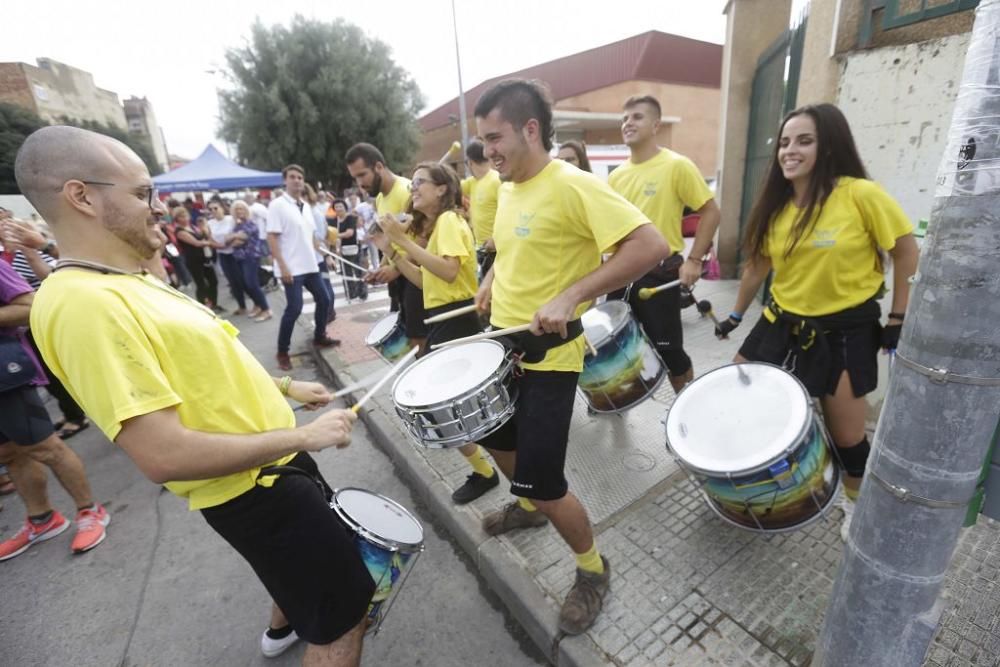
(165,590)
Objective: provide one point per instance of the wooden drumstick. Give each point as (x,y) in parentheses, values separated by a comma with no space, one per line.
(647,292)
(341,259)
(450,314)
(398,366)
(483,336)
(590,346)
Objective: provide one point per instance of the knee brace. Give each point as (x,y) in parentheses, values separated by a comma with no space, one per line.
(855,459)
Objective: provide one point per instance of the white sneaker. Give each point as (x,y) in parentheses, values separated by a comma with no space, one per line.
(272,648)
(847,507)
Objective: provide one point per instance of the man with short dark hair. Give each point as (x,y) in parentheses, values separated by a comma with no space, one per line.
(156,372)
(291,228)
(661,183)
(553,223)
(482,189)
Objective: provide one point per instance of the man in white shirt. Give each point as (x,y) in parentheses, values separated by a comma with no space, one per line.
(290,227)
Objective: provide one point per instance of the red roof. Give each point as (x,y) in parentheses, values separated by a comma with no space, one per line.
(651,56)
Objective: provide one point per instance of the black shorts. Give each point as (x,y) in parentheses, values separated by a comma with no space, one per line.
(413,310)
(301,552)
(539,432)
(660,317)
(852,350)
(23,417)
(458,327)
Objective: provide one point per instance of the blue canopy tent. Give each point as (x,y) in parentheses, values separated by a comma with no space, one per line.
(213,171)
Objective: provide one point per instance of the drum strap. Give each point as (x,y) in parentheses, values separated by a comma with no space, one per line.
(292,470)
(531,348)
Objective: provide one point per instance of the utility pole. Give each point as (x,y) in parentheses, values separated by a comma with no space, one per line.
(463,118)
(944,391)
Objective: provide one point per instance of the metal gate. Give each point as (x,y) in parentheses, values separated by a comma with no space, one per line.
(775,87)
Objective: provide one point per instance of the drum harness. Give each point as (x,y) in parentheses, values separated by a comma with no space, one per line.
(530,349)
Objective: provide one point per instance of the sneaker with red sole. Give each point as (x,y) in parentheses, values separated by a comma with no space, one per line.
(90,525)
(31,534)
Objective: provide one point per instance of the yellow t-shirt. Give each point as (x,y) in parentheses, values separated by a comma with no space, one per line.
(482,194)
(394,203)
(451,238)
(126,346)
(550,232)
(661,187)
(836,264)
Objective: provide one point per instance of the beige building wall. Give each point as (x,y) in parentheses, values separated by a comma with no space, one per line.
(61,90)
(696,135)
(818,57)
(751,26)
(142,122)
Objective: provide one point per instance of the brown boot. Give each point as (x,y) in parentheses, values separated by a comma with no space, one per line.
(584,601)
(511,517)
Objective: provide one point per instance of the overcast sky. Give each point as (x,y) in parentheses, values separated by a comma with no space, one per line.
(166,50)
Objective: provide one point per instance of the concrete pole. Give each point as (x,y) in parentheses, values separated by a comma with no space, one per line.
(941,408)
(462,114)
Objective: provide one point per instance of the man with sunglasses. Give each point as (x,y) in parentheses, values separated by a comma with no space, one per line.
(155,371)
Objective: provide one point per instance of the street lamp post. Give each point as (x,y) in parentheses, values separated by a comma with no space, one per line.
(463,118)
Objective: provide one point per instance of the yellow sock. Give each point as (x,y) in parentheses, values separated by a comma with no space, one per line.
(526,505)
(590,561)
(852,494)
(479,463)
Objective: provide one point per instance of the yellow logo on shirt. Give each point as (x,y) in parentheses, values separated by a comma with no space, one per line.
(524,218)
(650,189)
(824,238)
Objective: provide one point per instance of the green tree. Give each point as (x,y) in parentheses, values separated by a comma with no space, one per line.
(15,126)
(137,144)
(307,92)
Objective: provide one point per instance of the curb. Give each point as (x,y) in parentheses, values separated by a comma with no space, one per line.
(501,570)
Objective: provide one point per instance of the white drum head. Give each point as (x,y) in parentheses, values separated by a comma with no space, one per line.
(381,329)
(719,424)
(448,373)
(380,516)
(603,320)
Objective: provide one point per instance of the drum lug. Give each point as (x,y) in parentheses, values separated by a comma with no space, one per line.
(781,473)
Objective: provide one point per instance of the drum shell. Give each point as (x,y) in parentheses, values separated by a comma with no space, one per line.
(625,371)
(466,418)
(392,346)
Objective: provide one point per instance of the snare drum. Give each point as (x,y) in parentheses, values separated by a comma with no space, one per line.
(749,435)
(389,539)
(388,338)
(457,394)
(626,369)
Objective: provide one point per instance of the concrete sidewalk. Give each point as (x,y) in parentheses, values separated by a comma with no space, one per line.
(687,588)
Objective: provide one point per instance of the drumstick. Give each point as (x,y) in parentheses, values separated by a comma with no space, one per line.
(450,314)
(398,366)
(345,261)
(647,292)
(489,334)
(455,148)
(590,346)
(705,308)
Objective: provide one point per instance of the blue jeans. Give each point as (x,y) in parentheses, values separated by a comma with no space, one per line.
(249,269)
(293,295)
(233,277)
(324,274)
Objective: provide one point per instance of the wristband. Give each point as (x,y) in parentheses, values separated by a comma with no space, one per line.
(735,317)
(283,385)
(696,259)
(897,316)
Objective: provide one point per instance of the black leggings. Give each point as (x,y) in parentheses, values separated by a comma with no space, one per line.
(206,283)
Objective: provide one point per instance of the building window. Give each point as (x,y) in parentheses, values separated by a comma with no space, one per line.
(906,12)
(41,93)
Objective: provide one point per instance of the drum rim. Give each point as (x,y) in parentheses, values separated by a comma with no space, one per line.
(372,343)
(617,328)
(507,361)
(367,533)
(786,529)
(784,453)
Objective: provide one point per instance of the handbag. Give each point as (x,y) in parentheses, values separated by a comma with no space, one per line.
(16,367)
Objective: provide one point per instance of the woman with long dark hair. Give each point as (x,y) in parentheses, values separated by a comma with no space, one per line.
(446,272)
(574,152)
(825,230)
(196,249)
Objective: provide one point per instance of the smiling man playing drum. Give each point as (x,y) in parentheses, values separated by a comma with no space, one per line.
(154,370)
(553,222)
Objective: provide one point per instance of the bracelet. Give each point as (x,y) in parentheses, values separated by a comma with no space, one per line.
(897,316)
(735,317)
(697,259)
(283,385)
